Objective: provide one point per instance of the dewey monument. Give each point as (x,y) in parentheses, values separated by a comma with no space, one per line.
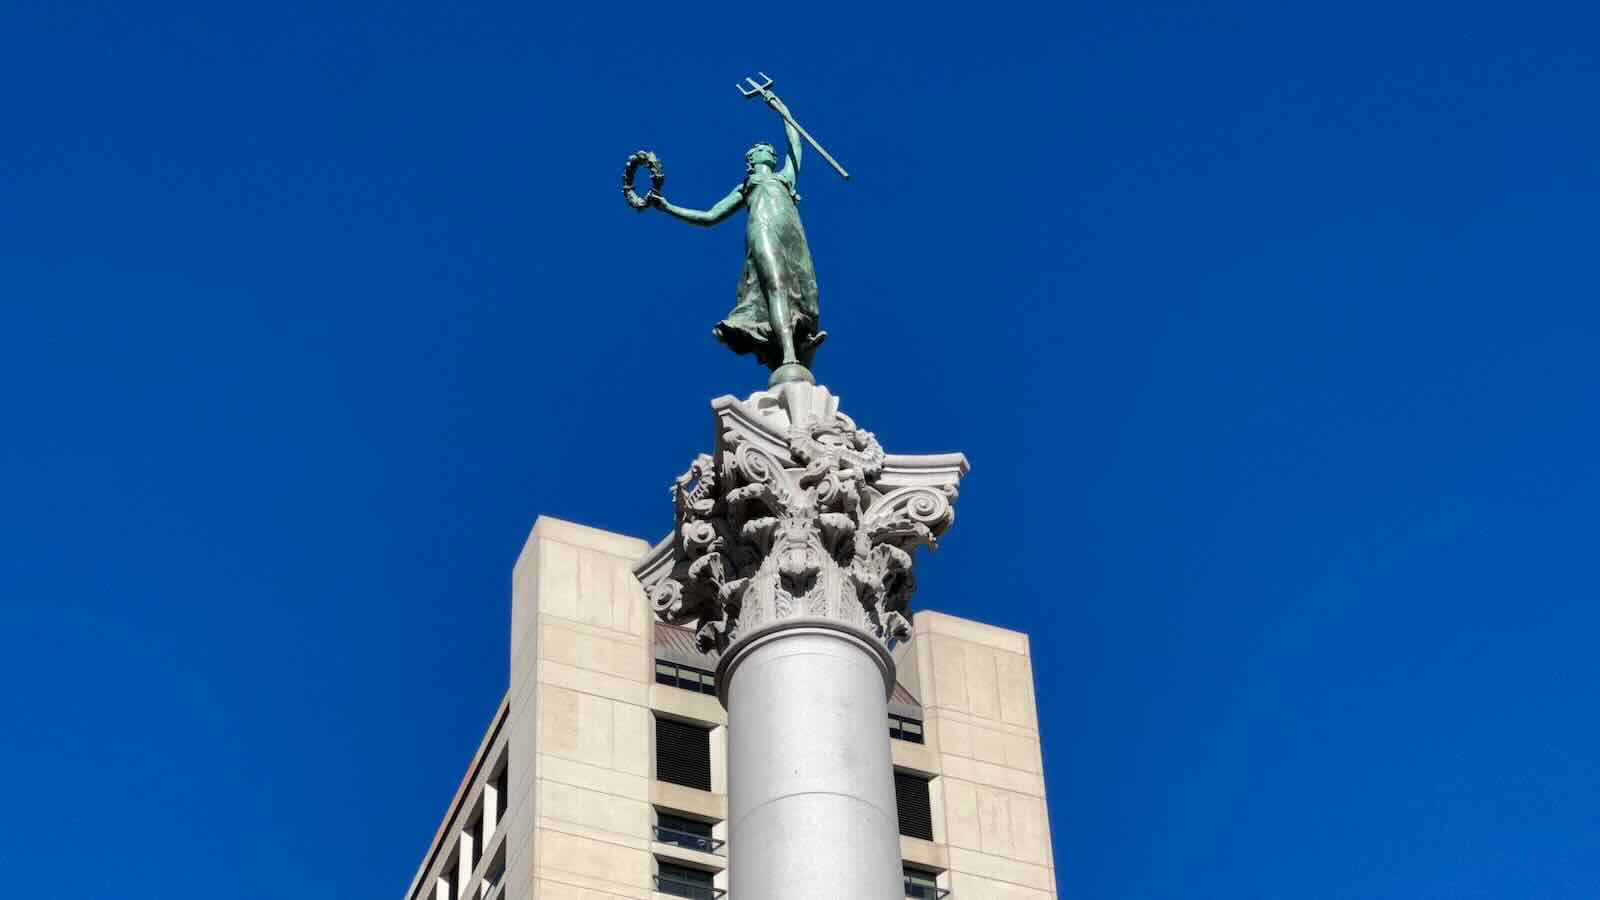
(743,710)
(791,557)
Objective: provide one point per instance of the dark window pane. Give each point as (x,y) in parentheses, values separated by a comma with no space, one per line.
(683,754)
(921,885)
(682,881)
(905,729)
(686,677)
(502,795)
(691,833)
(687,826)
(475,832)
(913,805)
(495,870)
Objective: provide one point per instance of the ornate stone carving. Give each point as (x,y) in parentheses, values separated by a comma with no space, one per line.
(798,515)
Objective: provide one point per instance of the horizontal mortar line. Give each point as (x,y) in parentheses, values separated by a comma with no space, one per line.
(956,714)
(583,668)
(946,772)
(1049,869)
(621,560)
(601,672)
(1010,859)
(585,787)
(982,761)
(644,705)
(1028,887)
(952,767)
(586,626)
(608,768)
(551,823)
(642,682)
(546,873)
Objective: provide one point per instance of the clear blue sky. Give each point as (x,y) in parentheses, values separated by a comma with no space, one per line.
(1270,334)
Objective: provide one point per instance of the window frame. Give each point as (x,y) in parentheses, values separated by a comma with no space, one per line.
(694,839)
(671,877)
(898,730)
(921,804)
(672,740)
(927,882)
(688,678)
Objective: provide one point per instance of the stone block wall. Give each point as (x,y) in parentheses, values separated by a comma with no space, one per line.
(991,828)
(580,731)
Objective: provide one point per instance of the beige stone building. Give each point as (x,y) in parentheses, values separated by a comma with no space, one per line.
(603,773)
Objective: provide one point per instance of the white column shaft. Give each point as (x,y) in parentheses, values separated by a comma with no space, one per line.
(811,789)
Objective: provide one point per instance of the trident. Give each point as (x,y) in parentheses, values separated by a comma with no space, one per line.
(763,90)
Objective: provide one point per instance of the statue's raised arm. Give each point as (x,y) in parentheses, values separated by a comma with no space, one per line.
(763,89)
(791,165)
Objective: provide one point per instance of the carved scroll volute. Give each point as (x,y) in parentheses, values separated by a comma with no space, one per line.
(755,477)
(910,516)
(666,600)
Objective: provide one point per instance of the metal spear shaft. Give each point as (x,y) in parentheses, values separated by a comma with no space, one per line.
(765,91)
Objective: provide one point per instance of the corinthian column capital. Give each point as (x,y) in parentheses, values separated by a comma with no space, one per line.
(799,518)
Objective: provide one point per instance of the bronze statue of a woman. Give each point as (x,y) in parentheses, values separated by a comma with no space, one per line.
(776,316)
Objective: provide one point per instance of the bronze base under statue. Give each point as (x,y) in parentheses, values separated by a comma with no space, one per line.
(787,374)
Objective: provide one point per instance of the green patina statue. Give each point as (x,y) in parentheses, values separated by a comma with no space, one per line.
(776,316)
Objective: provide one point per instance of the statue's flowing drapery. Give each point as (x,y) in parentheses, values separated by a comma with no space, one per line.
(776,259)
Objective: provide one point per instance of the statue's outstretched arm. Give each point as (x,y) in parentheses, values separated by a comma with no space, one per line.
(724,208)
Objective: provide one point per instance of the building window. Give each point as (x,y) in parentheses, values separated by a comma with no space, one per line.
(686,677)
(904,729)
(683,753)
(502,796)
(692,834)
(475,839)
(497,867)
(923,885)
(682,881)
(913,805)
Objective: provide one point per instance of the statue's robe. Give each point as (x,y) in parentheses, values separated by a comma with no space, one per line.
(776,259)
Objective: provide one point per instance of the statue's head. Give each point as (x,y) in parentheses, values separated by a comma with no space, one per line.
(760,154)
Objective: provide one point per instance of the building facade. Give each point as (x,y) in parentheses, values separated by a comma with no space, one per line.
(604,771)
